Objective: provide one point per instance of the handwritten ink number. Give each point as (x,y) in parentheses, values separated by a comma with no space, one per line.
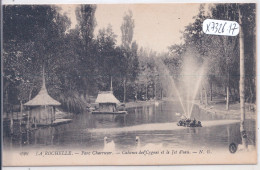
(223,28)
(213,26)
(208,27)
(219,29)
(216,28)
(232,28)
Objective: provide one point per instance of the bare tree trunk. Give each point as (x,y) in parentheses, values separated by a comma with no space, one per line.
(28,120)
(201,96)
(30,94)
(242,85)
(206,98)
(146,91)
(12,124)
(124,90)
(20,120)
(21,108)
(251,94)
(227,99)
(155,90)
(35,123)
(210,90)
(136,91)
(161,91)
(234,94)
(6,103)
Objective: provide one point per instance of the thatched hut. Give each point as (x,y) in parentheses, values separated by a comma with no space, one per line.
(107,101)
(42,107)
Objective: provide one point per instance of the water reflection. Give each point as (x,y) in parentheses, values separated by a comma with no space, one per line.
(75,134)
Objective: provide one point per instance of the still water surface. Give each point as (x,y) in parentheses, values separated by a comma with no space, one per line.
(76,135)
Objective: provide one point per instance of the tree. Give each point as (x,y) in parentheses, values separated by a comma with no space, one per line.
(242,84)
(108,61)
(26,29)
(129,51)
(127,29)
(85,15)
(40,36)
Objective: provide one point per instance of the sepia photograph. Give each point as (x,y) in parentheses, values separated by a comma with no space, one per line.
(129,84)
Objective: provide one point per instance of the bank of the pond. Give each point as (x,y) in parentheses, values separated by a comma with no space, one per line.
(234,108)
(142,103)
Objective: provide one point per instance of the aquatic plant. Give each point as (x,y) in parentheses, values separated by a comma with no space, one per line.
(72,101)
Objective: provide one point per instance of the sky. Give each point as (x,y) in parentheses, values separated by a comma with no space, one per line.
(157,26)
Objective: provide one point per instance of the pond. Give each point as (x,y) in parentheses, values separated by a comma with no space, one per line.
(76,134)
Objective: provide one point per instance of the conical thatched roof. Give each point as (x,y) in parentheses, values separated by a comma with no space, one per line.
(42,98)
(106,97)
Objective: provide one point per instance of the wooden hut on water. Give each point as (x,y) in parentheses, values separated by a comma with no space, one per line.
(42,107)
(107,101)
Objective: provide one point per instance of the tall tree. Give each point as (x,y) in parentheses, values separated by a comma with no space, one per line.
(85,15)
(242,83)
(129,51)
(127,29)
(108,61)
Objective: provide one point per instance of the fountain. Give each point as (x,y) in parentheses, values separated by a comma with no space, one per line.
(188,86)
(192,75)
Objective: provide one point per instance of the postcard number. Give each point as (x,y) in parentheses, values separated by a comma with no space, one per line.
(220,27)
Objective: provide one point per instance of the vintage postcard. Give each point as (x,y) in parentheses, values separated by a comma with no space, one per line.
(129,84)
